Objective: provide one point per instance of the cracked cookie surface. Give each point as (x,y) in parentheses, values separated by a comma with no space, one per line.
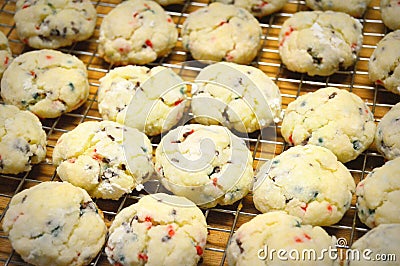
(378,195)
(320,42)
(159,229)
(22,140)
(45,82)
(305,181)
(136,32)
(355,8)
(387,134)
(277,230)
(151,100)
(207,164)
(258,8)
(384,63)
(237,96)
(333,118)
(55,223)
(5,53)
(222,32)
(54,23)
(105,158)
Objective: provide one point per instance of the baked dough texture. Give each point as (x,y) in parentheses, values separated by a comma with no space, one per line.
(305,181)
(221,32)
(22,140)
(5,53)
(159,229)
(45,82)
(390,13)
(320,42)
(51,24)
(355,8)
(387,134)
(136,32)
(258,8)
(55,223)
(333,118)
(105,158)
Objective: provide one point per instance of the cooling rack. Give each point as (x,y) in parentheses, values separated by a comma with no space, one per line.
(222,221)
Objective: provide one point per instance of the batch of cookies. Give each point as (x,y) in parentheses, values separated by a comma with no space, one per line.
(204,161)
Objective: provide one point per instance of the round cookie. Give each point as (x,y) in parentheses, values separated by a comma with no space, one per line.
(136,32)
(380,242)
(378,195)
(170,2)
(159,229)
(383,67)
(45,82)
(254,241)
(305,181)
(5,53)
(320,42)
(390,10)
(105,158)
(52,24)
(151,100)
(387,134)
(222,32)
(333,118)
(258,8)
(355,8)
(206,164)
(22,140)
(55,223)
(237,96)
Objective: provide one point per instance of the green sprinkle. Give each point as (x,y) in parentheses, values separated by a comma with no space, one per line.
(320,140)
(72,87)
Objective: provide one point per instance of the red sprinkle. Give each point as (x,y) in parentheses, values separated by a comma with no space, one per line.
(229,57)
(264,4)
(307,236)
(26,5)
(49,57)
(37,27)
(72,160)
(6,60)
(147,6)
(178,102)
(143,256)
(97,157)
(298,240)
(25,41)
(32,73)
(199,250)
(171,231)
(186,134)
(169,20)
(329,208)
(304,208)
(353,46)
(379,82)
(287,33)
(135,14)
(149,43)
(291,139)
(215,180)
(222,23)
(148,219)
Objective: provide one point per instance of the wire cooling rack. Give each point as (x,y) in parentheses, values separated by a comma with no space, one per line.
(222,221)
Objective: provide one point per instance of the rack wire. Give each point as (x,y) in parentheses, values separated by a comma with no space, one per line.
(222,221)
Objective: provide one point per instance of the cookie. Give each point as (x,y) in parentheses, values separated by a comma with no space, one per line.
(206,164)
(383,67)
(55,223)
(5,53)
(222,32)
(378,195)
(53,24)
(170,2)
(136,32)
(105,158)
(390,13)
(22,140)
(151,100)
(258,8)
(254,241)
(387,134)
(159,229)
(380,246)
(305,181)
(333,118)
(320,42)
(239,97)
(355,8)
(45,82)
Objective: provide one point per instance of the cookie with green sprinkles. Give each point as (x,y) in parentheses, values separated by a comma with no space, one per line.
(55,223)
(305,181)
(333,118)
(45,82)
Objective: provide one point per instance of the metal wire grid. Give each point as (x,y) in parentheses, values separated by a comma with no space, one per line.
(222,221)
